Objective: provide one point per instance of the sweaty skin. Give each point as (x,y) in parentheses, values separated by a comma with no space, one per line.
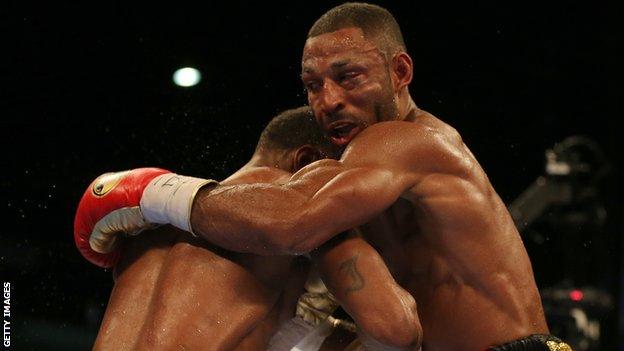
(176,292)
(150,308)
(135,277)
(359,279)
(407,179)
(200,297)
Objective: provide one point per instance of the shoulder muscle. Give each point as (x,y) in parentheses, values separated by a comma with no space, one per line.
(410,147)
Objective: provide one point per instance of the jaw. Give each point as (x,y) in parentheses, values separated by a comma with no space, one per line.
(341,133)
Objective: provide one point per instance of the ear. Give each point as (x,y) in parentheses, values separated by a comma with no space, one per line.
(402,69)
(304,156)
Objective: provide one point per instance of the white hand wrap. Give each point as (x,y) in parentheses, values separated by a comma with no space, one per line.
(168,199)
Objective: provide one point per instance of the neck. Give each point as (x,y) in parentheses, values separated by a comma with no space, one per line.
(407,109)
(266,159)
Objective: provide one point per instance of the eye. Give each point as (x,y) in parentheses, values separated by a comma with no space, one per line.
(349,75)
(312,86)
(349,78)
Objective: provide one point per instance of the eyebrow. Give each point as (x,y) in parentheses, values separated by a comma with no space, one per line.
(334,66)
(340,64)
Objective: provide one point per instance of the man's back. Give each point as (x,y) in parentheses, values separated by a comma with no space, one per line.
(136,276)
(173,291)
(210,300)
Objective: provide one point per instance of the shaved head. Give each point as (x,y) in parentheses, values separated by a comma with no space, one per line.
(377,23)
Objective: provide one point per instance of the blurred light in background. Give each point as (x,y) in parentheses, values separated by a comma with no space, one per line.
(186,77)
(576,295)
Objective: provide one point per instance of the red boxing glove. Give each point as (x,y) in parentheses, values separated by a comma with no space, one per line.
(110,206)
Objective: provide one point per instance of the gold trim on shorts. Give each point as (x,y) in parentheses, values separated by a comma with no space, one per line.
(558,346)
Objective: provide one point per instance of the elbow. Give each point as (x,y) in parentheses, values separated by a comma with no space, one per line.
(294,235)
(409,331)
(290,242)
(415,337)
(405,338)
(303,245)
(397,328)
(286,237)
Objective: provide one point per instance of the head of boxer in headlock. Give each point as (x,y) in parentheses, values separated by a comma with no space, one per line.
(173,291)
(407,178)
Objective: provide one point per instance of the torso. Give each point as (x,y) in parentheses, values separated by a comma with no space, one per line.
(451,242)
(177,292)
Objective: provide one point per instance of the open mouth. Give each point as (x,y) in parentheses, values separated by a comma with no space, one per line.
(341,133)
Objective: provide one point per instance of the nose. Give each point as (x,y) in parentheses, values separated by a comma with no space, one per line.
(331,99)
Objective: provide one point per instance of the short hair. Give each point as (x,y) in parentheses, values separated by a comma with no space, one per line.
(292,129)
(377,23)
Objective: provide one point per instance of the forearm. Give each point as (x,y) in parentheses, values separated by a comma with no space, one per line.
(296,217)
(317,203)
(258,218)
(385,313)
(255,218)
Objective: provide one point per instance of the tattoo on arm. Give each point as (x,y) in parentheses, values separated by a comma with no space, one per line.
(349,270)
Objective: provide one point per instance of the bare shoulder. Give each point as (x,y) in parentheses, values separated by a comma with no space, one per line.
(424,145)
(320,168)
(257,175)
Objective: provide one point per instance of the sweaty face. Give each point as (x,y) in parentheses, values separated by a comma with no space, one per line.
(348,83)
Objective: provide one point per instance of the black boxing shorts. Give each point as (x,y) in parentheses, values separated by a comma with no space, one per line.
(536,342)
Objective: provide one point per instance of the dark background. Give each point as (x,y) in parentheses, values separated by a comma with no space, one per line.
(87,90)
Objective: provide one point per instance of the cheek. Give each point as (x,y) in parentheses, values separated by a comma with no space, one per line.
(368,94)
(313,102)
